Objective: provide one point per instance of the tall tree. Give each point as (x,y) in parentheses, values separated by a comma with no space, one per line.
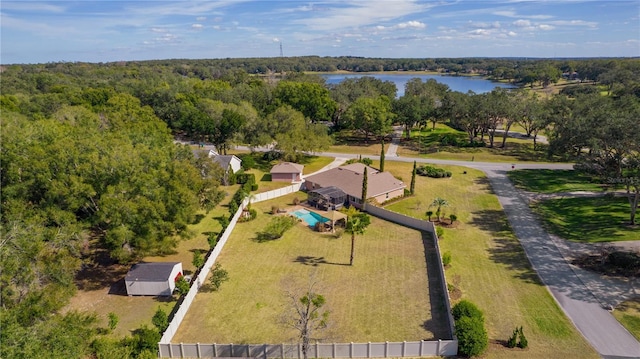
(306,314)
(363,195)
(412,187)
(371,116)
(382,155)
(357,223)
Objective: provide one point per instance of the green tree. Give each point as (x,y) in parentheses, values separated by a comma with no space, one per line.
(412,187)
(160,320)
(218,276)
(370,116)
(198,259)
(382,155)
(312,99)
(357,223)
(113,321)
(439,203)
(363,195)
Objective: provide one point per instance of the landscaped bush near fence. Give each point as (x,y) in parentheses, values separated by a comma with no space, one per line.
(469,328)
(276,228)
(433,172)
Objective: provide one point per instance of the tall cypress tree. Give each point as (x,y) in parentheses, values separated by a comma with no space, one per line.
(382,156)
(412,188)
(364,188)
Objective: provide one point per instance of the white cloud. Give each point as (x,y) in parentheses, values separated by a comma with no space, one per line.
(522,23)
(546,27)
(591,24)
(513,14)
(201,18)
(356,13)
(197,26)
(275,39)
(512,34)
(411,24)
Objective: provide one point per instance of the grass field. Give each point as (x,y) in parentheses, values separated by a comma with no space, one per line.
(489,266)
(628,314)
(427,143)
(553,181)
(601,219)
(384,296)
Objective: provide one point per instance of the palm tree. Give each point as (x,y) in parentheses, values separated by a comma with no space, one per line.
(357,222)
(439,203)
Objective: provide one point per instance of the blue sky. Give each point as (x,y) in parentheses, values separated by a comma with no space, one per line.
(104,31)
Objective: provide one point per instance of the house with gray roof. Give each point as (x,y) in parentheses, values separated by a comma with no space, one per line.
(381,186)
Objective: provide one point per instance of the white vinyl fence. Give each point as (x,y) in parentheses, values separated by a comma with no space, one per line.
(318,350)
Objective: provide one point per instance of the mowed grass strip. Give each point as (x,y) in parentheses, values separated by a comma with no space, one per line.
(600,219)
(553,181)
(384,296)
(628,314)
(490,268)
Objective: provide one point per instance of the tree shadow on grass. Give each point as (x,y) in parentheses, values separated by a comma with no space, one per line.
(438,324)
(316,261)
(483,181)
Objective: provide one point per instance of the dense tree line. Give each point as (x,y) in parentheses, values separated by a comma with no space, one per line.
(88,152)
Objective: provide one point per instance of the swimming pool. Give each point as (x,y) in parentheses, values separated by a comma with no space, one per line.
(310,217)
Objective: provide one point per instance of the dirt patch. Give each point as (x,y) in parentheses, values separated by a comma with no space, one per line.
(620,264)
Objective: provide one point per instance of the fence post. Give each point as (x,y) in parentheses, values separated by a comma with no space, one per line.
(369,350)
(333,351)
(422,348)
(215,351)
(351,350)
(198,350)
(386,349)
(181,350)
(282,350)
(264,350)
(317,351)
(438,347)
(404,348)
(299,350)
(170,350)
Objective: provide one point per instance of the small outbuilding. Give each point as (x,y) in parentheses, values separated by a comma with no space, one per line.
(287,172)
(156,278)
(229,163)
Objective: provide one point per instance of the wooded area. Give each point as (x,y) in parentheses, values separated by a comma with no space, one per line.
(88,154)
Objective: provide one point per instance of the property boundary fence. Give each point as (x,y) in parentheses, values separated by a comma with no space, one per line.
(317,350)
(425,226)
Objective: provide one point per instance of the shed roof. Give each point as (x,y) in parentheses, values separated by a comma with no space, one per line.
(287,167)
(225,160)
(151,272)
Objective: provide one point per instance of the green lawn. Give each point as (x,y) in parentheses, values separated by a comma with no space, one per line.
(602,219)
(490,268)
(428,143)
(628,314)
(384,296)
(553,181)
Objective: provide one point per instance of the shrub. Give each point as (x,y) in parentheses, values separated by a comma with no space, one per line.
(433,172)
(254,187)
(472,337)
(513,339)
(182,286)
(218,276)
(440,232)
(213,238)
(198,259)
(224,222)
(453,218)
(338,233)
(246,218)
(446,259)
(113,320)
(160,320)
(248,162)
(233,207)
(429,214)
(522,340)
(296,201)
(271,156)
(277,227)
(465,308)
(274,209)
(146,339)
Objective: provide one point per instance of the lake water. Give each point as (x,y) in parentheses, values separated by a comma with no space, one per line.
(456,83)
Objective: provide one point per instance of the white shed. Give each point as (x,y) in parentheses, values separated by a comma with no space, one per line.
(158,278)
